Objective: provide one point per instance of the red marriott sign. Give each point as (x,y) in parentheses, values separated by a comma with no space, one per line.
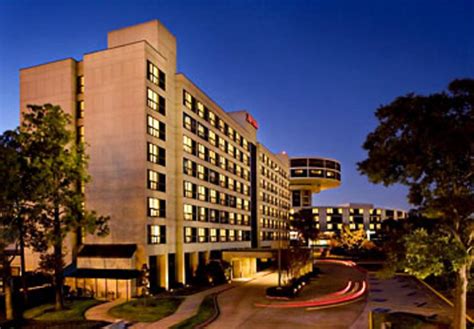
(252,121)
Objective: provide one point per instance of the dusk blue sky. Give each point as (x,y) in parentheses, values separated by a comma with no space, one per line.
(311,72)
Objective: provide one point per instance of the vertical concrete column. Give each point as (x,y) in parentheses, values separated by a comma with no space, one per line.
(180,267)
(163,272)
(253,266)
(194,262)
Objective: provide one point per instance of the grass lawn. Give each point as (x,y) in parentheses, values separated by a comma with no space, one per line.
(205,312)
(74,310)
(154,309)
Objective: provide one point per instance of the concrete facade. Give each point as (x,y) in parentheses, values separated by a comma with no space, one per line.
(181,178)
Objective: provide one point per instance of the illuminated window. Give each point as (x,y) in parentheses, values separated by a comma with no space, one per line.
(231,235)
(352,226)
(189,123)
(379,211)
(222,162)
(80,109)
(80,84)
(202,214)
(221,125)
(202,234)
(189,190)
(156,102)
(200,109)
(202,152)
(222,235)
(329,210)
(188,167)
(156,181)
(213,235)
(80,134)
(202,193)
(212,157)
(328,218)
(156,128)
(212,138)
(372,226)
(212,118)
(156,207)
(201,172)
(188,144)
(189,212)
(156,154)
(156,76)
(329,226)
(339,226)
(222,145)
(315,211)
(360,226)
(188,100)
(156,234)
(189,234)
(230,133)
(213,196)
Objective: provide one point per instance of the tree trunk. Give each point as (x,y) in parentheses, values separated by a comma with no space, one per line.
(58,262)
(460,298)
(7,286)
(23,266)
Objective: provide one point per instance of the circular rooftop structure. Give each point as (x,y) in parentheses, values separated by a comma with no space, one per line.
(315,174)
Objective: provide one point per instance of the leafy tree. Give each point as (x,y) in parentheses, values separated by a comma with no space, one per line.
(15,209)
(352,240)
(59,163)
(302,221)
(427,144)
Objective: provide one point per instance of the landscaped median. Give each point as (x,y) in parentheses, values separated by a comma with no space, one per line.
(44,316)
(208,310)
(148,309)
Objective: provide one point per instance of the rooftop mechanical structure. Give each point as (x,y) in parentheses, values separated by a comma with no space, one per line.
(310,175)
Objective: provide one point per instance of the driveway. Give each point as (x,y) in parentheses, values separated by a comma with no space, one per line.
(238,308)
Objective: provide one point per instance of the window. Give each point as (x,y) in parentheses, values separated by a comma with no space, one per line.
(189,123)
(189,234)
(189,190)
(202,152)
(80,109)
(202,234)
(156,76)
(156,207)
(189,167)
(222,143)
(188,145)
(212,157)
(156,102)
(212,138)
(156,234)
(80,134)
(200,110)
(80,84)
(156,154)
(156,181)
(212,118)
(222,235)
(202,193)
(213,235)
(188,100)
(202,214)
(189,212)
(213,196)
(156,128)
(231,235)
(202,131)
(202,172)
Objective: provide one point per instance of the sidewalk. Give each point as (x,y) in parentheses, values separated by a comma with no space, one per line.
(99,312)
(188,308)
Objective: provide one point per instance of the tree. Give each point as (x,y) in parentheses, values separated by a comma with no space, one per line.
(303,222)
(352,240)
(15,209)
(58,167)
(427,144)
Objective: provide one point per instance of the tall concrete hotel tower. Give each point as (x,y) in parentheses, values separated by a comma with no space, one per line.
(182,180)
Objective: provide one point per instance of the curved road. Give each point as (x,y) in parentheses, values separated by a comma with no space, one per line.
(238,310)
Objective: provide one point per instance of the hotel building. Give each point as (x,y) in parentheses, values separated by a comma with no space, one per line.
(181,178)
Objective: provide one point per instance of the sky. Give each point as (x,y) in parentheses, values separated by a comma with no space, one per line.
(312,73)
